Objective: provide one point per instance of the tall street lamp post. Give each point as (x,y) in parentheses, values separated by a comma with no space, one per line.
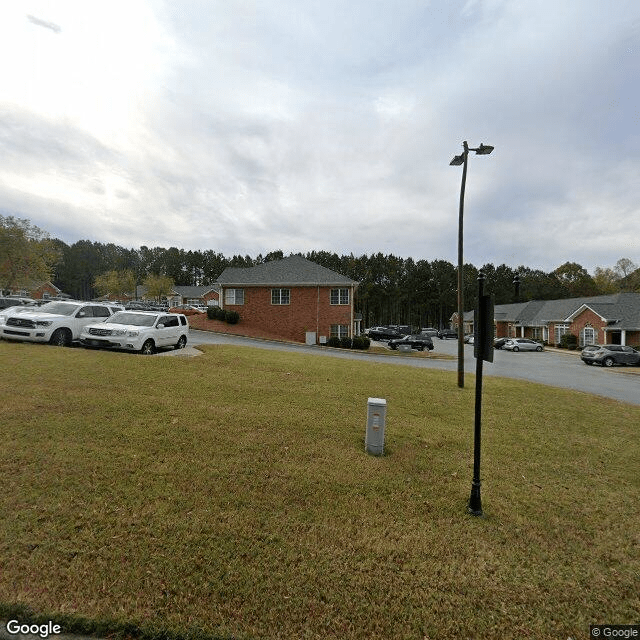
(482,150)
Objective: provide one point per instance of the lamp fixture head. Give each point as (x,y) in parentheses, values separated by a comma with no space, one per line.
(484,149)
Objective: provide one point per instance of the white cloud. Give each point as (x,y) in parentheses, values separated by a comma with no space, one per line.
(245,126)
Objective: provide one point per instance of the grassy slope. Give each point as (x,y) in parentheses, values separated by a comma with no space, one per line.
(231,493)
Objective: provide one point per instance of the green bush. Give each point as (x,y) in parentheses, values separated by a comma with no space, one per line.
(361,342)
(569,341)
(345,343)
(215,313)
(231,317)
(333,342)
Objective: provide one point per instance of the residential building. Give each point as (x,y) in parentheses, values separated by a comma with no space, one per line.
(293,298)
(608,319)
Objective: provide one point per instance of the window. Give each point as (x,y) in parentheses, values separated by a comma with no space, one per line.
(234,296)
(168,321)
(280,296)
(536,333)
(194,301)
(588,336)
(340,296)
(560,330)
(101,312)
(339,331)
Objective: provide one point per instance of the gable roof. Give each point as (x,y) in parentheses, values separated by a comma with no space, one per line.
(183,290)
(620,310)
(293,271)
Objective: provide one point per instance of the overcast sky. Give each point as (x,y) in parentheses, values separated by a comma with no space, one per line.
(246,126)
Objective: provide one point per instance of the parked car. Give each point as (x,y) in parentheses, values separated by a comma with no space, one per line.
(143,331)
(522,344)
(469,338)
(384,333)
(186,309)
(447,333)
(429,331)
(6,303)
(59,323)
(499,343)
(419,342)
(609,354)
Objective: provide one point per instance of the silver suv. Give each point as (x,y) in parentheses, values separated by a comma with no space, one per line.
(59,322)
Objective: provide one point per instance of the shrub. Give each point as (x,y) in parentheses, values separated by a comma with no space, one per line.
(231,317)
(569,341)
(215,313)
(345,343)
(333,342)
(361,342)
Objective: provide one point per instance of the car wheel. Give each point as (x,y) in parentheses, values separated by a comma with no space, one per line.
(61,338)
(181,343)
(607,362)
(148,348)
(538,348)
(516,348)
(588,362)
(420,348)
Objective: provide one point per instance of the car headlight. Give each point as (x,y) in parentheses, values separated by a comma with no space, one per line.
(3,319)
(43,323)
(119,332)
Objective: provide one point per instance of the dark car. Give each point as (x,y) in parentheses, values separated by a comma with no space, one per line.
(384,333)
(429,331)
(5,303)
(609,354)
(447,333)
(499,343)
(419,342)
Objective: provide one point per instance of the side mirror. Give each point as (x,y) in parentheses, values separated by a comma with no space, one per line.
(160,326)
(81,314)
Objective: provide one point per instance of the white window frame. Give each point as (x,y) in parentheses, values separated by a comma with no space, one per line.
(280,296)
(593,339)
(233,297)
(339,331)
(339,296)
(558,331)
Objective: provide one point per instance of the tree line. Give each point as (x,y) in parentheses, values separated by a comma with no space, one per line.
(392,289)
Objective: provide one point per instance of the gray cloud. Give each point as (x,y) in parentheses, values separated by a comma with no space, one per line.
(331,126)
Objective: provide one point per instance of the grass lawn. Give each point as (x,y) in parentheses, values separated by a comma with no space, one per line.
(229,495)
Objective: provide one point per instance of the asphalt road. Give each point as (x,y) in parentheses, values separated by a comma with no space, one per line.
(552,367)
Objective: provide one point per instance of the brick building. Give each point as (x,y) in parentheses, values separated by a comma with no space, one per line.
(41,291)
(194,295)
(608,319)
(293,298)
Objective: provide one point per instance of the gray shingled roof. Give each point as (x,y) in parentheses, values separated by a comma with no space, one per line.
(621,310)
(183,290)
(294,270)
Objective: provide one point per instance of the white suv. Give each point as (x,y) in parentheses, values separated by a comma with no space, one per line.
(58,323)
(143,331)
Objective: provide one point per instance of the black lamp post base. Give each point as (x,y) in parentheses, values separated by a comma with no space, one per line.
(475,502)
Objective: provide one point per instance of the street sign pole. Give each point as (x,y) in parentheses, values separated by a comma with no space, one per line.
(483,350)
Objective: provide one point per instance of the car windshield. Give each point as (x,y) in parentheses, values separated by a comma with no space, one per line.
(135,319)
(59,308)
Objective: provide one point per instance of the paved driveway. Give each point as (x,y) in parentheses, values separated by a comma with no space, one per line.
(552,367)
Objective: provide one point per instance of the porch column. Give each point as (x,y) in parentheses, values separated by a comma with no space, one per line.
(623,337)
